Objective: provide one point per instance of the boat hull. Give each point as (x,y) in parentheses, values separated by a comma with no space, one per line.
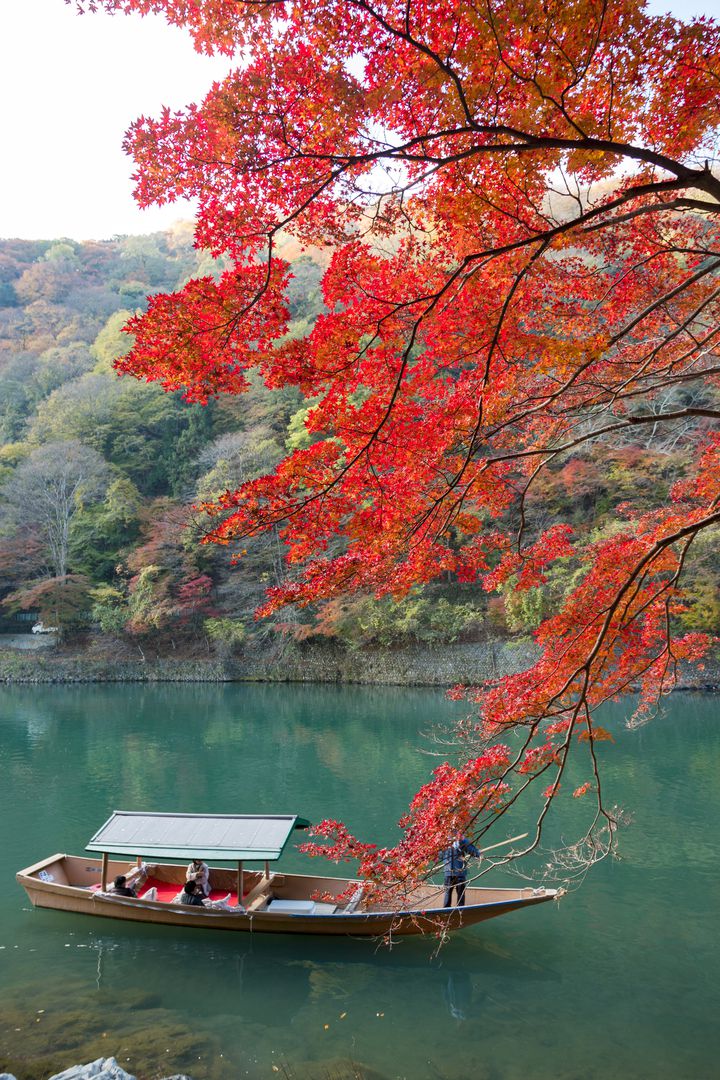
(62,893)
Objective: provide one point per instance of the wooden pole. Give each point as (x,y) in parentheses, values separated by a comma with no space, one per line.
(503,843)
(240,882)
(103,879)
(267,869)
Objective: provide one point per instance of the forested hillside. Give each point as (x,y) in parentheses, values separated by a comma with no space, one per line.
(101,477)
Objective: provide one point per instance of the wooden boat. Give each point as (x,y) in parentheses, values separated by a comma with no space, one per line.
(271,902)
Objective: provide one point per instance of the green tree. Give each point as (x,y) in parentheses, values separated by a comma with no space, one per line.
(111,343)
(109,609)
(102,534)
(135,427)
(226,634)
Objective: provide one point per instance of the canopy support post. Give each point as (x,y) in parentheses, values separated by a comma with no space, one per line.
(104,876)
(240,883)
(267,869)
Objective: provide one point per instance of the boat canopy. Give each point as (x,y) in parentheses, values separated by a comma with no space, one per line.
(180,836)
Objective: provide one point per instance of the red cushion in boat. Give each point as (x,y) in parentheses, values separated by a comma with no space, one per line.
(167,891)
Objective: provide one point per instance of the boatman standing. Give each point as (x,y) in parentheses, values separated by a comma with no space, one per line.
(455,860)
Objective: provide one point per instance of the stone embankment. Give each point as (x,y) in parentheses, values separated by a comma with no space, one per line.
(418,665)
(412,666)
(101,1069)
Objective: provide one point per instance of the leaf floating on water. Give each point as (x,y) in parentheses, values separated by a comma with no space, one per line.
(343,1015)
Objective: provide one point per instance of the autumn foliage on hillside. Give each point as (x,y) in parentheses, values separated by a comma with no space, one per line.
(520,208)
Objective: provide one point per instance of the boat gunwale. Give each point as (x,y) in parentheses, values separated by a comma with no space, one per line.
(139,903)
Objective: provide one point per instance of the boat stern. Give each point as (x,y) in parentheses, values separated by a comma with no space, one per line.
(37,878)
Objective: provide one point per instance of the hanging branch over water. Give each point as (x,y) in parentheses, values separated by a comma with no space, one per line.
(521,206)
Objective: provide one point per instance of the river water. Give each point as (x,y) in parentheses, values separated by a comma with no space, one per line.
(620,980)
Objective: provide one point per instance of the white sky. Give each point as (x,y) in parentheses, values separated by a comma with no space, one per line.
(69,88)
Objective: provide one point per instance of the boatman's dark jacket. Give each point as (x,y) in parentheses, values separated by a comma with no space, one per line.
(455,859)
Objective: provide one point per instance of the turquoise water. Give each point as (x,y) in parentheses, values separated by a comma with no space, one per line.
(619,980)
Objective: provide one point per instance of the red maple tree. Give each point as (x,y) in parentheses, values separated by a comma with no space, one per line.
(521,209)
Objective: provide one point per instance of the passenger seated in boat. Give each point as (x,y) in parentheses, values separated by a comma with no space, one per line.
(191,894)
(129,884)
(199,872)
(121,888)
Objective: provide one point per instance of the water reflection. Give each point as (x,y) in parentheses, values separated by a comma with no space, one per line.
(279,992)
(458,994)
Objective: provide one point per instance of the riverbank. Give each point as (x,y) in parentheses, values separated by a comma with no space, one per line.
(447,665)
(284,662)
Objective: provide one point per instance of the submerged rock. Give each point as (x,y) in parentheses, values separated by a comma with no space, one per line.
(101,1069)
(78,1025)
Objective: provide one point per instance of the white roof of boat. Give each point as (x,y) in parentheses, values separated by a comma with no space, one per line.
(181,836)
